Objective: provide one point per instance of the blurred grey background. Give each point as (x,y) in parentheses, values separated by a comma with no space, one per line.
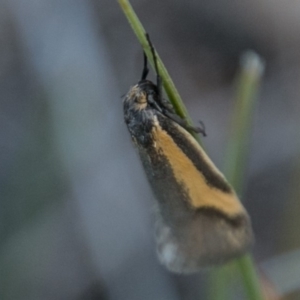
(75,209)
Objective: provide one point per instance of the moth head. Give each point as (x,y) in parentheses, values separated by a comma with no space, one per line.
(141,95)
(149,88)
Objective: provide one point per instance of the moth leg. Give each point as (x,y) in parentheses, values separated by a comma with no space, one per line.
(184,123)
(167,108)
(202,128)
(155,104)
(145,69)
(158,78)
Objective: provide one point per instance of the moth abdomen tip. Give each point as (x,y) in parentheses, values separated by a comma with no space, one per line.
(202,243)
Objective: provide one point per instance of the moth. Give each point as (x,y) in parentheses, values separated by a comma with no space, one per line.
(200,220)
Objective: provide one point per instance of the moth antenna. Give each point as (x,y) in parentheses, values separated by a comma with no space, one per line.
(145,69)
(158,78)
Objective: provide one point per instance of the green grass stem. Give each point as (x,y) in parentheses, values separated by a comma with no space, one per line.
(249,80)
(247,85)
